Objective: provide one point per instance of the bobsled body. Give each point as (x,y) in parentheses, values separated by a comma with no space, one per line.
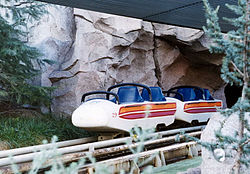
(106,116)
(102,115)
(200,111)
(195,104)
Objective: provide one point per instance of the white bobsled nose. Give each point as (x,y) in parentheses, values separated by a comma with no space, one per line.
(89,116)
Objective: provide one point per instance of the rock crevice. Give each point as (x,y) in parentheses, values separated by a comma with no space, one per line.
(156,62)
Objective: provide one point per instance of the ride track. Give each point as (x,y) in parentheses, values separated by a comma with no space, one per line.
(159,148)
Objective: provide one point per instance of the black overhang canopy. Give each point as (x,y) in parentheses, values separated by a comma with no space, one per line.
(186,13)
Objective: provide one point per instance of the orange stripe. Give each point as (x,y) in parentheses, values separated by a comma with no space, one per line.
(202,104)
(146,107)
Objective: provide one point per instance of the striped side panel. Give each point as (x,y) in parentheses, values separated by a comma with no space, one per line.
(202,107)
(149,115)
(147,110)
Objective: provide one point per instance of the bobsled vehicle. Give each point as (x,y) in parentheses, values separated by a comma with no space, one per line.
(194,104)
(127,108)
(124,109)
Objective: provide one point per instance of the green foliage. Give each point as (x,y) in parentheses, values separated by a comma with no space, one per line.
(140,136)
(17,58)
(56,164)
(235,70)
(21,131)
(232,44)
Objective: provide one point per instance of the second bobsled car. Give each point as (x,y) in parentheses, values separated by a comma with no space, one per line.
(127,108)
(194,104)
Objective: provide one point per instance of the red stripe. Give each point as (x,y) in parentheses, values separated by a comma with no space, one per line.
(133,116)
(150,115)
(197,111)
(161,113)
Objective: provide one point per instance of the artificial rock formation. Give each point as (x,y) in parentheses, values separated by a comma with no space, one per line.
(95,50)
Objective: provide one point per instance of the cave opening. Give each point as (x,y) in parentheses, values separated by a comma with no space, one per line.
(232,94)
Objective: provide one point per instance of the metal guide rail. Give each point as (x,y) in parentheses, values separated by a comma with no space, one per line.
(107,151)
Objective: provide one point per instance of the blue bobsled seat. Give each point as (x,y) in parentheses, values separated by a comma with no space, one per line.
(178,96)
(188,94)
(207,95)
(198,94)
(156,94)
(128,94)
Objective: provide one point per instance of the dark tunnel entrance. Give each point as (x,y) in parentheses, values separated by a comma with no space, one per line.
(232,94)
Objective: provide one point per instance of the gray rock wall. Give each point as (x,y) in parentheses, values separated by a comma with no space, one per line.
(95,50)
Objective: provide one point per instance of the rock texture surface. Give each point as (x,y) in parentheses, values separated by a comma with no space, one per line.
(95,50)
(53,36)
(209,163)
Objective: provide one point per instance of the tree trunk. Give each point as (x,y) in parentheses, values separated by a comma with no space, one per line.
(243,96)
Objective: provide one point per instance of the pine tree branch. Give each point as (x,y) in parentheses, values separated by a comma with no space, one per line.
(237,69)
(246,142)
(17,58)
